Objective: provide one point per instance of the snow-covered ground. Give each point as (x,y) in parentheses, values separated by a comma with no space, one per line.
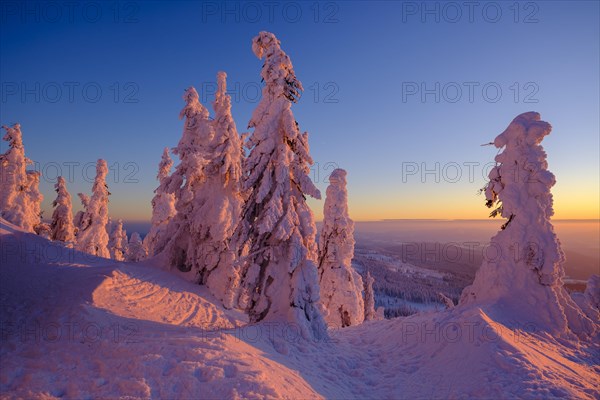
(77,326)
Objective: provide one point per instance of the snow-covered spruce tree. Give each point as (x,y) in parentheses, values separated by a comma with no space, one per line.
(592,292)
(33,204)
(341,285)
(589,301)
(220,203)
(15,182)
(78,219)
(136,251)
(92,237)
(163,208)
(277,232)
(117,242)
(370,313)
(62,228)
(186,182)
(524,277)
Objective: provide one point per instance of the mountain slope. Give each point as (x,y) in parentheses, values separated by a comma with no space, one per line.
(77,326)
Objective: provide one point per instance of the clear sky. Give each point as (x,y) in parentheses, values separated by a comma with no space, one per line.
(392,90)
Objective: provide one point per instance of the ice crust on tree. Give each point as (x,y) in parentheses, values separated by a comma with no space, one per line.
(163,208)
(526,273)
(92,237)
(62,228)
(341,286)
(136,251)
(276,236)
(20,199)
(118,243)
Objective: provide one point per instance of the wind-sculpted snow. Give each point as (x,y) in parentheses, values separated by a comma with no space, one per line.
(78,326)
(139,292)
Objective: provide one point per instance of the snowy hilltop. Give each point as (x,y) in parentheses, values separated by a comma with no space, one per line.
(231,295)
(79,326)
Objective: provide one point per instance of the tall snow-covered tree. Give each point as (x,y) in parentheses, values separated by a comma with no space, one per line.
(16,185)
(370,313)
(117,242)
(62,228)
(524,278)
(136,251)
(92,237)
(163,208)
(276,234)
(341,285)
(186,182)
(220,203)
(78,219)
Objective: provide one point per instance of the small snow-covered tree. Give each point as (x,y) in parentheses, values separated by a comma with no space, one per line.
(16,185)
(277,232)
(78,219)
(447,301)
(62,228)
(163,208)
(592,292)
(370,313)
(136,251)
(525,276)
(33,203)
(117,243)
(186,182)
(92,237)
(589,301)
(341,285)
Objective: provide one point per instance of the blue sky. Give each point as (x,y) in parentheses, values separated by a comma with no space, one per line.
(105,79)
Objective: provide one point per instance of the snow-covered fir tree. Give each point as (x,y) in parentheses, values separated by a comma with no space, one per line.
(163,208)
(16,185)
(220,203)
(341,285)
(208,199)
(589,301)
(525,276)
(117,242)
(92,237)
(370,313)
(136,251)
(62,228)
(592,292)
(186,182)
(78,219)
(276,235)
(33,204)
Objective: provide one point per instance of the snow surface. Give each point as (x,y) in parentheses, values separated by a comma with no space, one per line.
(77,326)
